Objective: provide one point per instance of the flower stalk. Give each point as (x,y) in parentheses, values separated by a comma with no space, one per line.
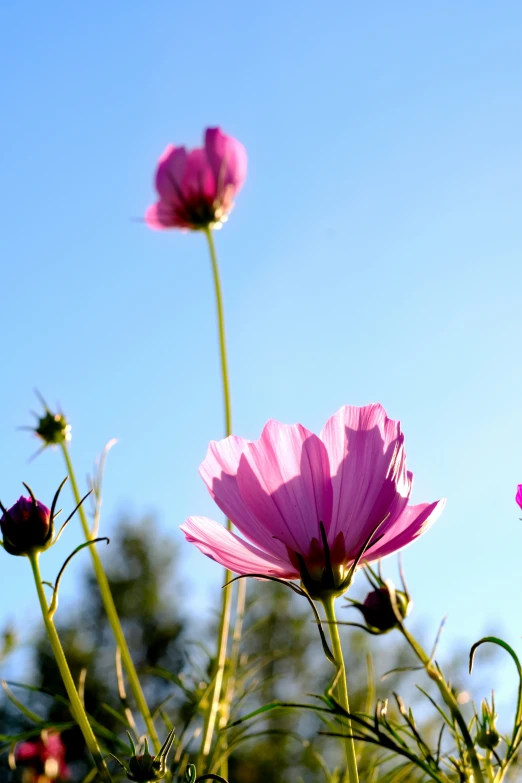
(436,675)
(226,606)
(77,708)
(227,405)
(112,614)
(342,687)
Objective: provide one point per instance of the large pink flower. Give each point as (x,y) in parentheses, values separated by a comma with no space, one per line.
(518,496)
(309,504)
(197,188)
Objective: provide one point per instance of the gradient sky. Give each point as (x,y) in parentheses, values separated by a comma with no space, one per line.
(373,255)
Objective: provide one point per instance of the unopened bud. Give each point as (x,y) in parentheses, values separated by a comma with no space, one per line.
(378,611)
(144,768)
(488,739)
(53,429)
(487,735)
(26,527)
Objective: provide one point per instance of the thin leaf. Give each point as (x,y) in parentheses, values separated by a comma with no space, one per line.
(32,716)
(505,646)
(302,592)
(276,705)
(447,718)
(54,602)
(8,739)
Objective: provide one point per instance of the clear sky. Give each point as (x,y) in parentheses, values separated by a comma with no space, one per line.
(373,255)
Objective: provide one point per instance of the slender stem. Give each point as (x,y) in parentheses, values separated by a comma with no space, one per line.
(221,333)
(223,632)
(435,674)
(489,768)
(342,686)
(234,653)
(234,660)
(226,606)
(112,614)
(77,708)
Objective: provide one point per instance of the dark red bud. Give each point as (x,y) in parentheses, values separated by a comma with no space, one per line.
(377,609)
(26,526)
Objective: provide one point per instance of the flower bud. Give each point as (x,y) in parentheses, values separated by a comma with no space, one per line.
(487,735)
(144,768)
(488,739)
(53,429)
(27,526)
(378,610)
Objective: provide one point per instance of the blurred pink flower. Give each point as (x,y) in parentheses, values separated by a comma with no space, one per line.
(45,757)
(309,504)
(197,188)
(518,496)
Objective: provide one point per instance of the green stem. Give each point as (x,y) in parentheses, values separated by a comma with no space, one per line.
(226,606)
(112,614)
(77,708)
(221,332)
(433,673)
(234,653)
(489,768)
(231,680)
(342,686)
(223,632)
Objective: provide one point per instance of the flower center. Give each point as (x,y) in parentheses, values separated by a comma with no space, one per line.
(324,570)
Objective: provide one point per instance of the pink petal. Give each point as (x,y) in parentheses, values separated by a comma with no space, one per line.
(412,523)
(169,173)
(161,216)
(284,479)
(219,472)
(237,555)
(198,178)
(227,157)
(368,466)
(518,497)
(27,750)
(54,746)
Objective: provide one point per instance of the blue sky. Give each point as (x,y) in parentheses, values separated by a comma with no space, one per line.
(374,254)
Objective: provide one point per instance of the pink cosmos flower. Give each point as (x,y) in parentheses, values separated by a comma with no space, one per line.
(518,496)
(310,505)
(45,757)
(197,188)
